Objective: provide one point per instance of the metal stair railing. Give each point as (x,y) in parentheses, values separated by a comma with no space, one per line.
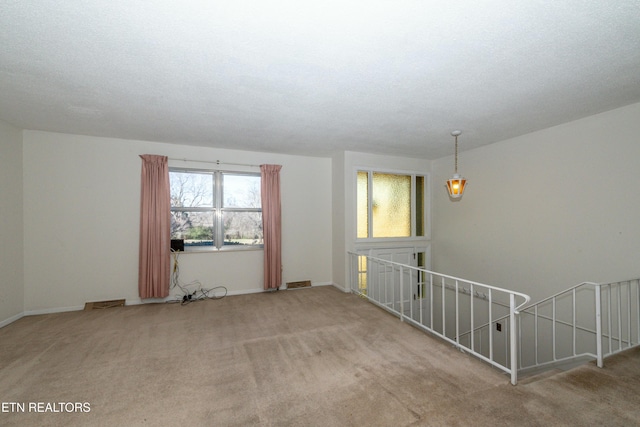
(443,305)
(589,320)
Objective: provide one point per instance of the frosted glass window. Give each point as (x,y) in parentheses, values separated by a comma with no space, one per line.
(420,209)
(363,205)
(391,205)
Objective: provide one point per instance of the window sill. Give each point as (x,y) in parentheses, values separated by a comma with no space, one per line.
(215,251)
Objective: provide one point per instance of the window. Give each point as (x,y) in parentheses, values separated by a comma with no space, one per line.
(390,205)
(214,210)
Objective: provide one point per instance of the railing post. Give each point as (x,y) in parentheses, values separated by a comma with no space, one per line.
(401,294)
(599,327)
(353,270)
(513,338)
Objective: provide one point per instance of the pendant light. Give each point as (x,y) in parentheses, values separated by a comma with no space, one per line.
(456,184)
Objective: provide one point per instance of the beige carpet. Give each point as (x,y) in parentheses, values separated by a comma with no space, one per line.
(308,357)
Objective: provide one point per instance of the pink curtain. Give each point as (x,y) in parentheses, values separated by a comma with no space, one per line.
(155,228)
(271,225)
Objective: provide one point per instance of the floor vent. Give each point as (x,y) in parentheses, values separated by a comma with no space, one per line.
(296,285)
(103,304)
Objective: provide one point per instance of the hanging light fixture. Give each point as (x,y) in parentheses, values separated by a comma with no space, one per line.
(456,184)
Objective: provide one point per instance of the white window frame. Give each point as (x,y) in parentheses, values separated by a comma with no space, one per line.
(427,207)
(218,210)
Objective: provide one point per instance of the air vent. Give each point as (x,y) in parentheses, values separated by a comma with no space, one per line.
(103,304)
(296,285)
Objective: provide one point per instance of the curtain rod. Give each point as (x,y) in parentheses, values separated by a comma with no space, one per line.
(217,162)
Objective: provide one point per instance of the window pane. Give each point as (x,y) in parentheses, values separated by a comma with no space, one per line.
(196,228)
(241,191)
(362,274)
(391,205)
(242,228)
(191,189)
(420,206)
(362,210)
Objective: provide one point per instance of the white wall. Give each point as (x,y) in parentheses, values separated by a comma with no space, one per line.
(11,250)
(339,273)
(517,226)
(81,220)
(547,210)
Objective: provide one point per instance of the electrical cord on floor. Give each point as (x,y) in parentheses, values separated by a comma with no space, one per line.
(189,296)
(203,294)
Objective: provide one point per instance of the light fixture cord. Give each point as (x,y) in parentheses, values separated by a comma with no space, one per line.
(456,156)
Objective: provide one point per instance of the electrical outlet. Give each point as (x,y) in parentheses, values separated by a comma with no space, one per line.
(498,326)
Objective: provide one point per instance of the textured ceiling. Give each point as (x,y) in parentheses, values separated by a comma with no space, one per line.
(387,77)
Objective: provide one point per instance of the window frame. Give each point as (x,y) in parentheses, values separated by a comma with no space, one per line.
(218,209)
(426,200)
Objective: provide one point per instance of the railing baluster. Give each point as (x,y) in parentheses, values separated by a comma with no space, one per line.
(401,294)
(490,325)
(574,319)
(392,287)
(520,341)
(382,284)
(535,327)
(375,281)
(512,330)
(431,300)
(410,294)
(553,327)
(444,327)
(457,315)
(472,320)
(421,299)
(628,314)
(619,319)
(507,342)
(638,308)
(599,356)
(609,319)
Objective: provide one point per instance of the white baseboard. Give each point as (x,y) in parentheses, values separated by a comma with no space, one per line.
(345,290)
(138,301)
(11,319)
(53,310)
(322,284)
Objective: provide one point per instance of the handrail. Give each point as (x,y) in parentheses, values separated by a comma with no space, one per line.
(526,297)
(601,321)
(560,293)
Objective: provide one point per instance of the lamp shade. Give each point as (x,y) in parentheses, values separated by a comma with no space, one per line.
(456,185)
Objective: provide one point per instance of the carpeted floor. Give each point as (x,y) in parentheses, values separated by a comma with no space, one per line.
(309,357)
